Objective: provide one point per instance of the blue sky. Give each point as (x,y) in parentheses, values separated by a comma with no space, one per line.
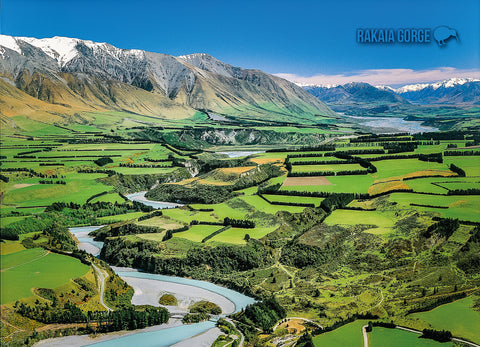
(301,40)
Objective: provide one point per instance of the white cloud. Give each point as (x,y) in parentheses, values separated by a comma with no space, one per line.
(392,77)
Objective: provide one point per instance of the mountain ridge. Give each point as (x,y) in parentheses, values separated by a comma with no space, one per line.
(84,76)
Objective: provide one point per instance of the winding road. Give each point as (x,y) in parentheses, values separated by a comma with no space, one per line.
(102,276)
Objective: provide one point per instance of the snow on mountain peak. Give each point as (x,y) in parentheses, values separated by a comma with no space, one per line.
(449,83)
(64,49)
(10,43)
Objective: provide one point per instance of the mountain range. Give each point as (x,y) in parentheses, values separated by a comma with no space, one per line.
(454,91)
(66,78)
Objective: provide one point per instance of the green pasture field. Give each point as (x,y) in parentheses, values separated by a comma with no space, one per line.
(161,222)
(158,237)
(294,160)
(294,199)
(340,184)
(35,128)
(4,221)
(197,233)
(380,337)
(348,335)
(186,216)
(383,220)
(142,171)
(425,185)
(471,165)
(269,155)
(462,184)
(78,189)
(112,197)
(237,235)
(463,207)
(334,168)
(457,317)
(121,217)
(263,206)
(400,167)
(24,270)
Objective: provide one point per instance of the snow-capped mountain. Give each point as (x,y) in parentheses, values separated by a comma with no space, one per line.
(450,91)
(449,83)
(63,76)
(354,92)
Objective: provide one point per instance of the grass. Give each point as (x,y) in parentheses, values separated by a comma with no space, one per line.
(463,207)
(32,269)
(294,199)
(465,324)
(383,220)
(340,184)
(263,206)
(318,168)
(347,335)
(471,165)
(160,222)
(237,235)
(380,337)
(401,167)
(112,197)
(78,189)
(121,217)
(197,233)
(142,171)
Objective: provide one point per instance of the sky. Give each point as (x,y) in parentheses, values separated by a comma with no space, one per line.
(303,41)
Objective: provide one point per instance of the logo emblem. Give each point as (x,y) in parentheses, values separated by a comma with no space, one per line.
(443,33)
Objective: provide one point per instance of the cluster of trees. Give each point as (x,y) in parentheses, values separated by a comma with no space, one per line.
(126,318)
(31,172)
(52,164)
(144,254)
(470,191)
(51,182)
(239,223)
(444,135)
(108,172)
(4,178)
(205,307)
(215,233)
(124,229)
(311,173)
(383,137)
(400,147)
(192,318)
(352,172)
(150,166)
(445,228)
(169,233)
(285,203)
(304,155)
(460,153)
(169,158)
(437,335)
(336,200)
(432,157)
(156,213)
(318,148)
(201,194)
(103,161)
(361,161)
(355,151)
(264,314)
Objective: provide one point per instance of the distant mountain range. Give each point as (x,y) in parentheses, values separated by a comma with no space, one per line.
(61,77)
(454,91)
